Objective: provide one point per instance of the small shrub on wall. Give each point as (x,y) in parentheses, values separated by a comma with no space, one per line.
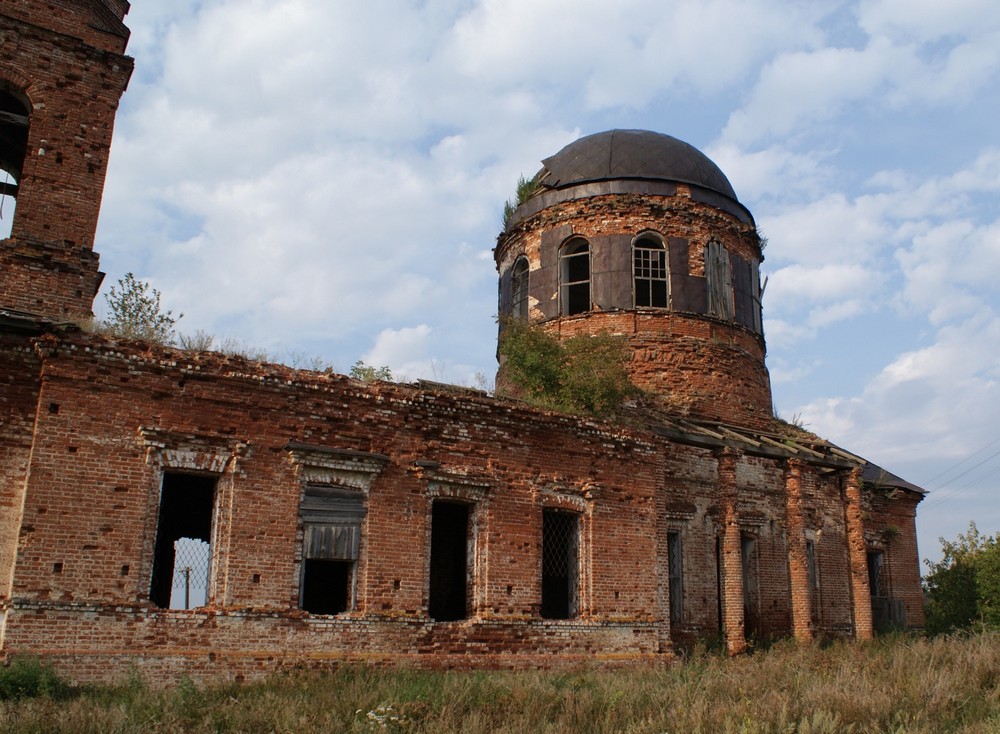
(582,374)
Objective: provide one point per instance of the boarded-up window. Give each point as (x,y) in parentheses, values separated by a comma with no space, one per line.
(755,294)
(519,289)
(649,270)
(331,531)
(560,564)
(676,569)
(574,277)
(719,274)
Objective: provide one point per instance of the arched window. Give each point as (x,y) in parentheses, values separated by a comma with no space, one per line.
(574,277)
(649,271)
(14,112)
(519,290)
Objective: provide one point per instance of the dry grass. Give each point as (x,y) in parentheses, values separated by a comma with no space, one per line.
(898,685)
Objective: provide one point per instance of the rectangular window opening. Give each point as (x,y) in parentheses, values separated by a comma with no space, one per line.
(811,564)
(183,551)
(560,565)
(676,571)
(449,564)
(331,520)
(748,554)
(326,585)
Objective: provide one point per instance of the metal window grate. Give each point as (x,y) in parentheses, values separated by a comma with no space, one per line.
(189,587)
(560,551)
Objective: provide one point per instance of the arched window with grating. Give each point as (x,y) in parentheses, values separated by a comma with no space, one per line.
(649,272)
(519,290)
(574,277)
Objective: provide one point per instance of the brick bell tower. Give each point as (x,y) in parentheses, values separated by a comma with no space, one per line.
(62,74)
(640,234)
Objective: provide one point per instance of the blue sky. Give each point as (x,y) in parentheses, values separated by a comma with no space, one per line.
(326,179)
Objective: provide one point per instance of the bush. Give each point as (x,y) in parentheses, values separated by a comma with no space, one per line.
(582,374)
(370,373)
(963,588)
(26,677)
(135,312)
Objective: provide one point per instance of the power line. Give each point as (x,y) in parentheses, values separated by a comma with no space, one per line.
(946,496)
(955,466)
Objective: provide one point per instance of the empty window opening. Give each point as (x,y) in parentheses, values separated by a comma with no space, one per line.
(748,556)
(560,553)
(519,288)
(182,554)
(718,584)
(812,576)
(574,274)
(719,272)
(676,571)
(327,585)
(14,113)
(449,571)
(331,533)
(649,267)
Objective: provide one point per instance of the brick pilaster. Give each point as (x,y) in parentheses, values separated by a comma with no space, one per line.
(732,563)
(861,594)
(798,569)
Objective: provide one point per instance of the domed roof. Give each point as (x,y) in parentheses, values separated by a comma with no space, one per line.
(634,154)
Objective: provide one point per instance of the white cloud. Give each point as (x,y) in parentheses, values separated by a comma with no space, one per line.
(928,20)
(954,382)
(804,86)
(401,350)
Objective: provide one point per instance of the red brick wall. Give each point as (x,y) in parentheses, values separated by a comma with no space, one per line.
(890,526)
(110,414)
(73,78)
(19,368)
(92,498)
(698,364)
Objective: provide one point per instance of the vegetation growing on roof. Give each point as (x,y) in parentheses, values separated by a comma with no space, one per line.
(582,374)
(134,312)
(525,189)
(370,373)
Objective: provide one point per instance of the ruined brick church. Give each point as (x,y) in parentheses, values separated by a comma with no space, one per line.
(412,524)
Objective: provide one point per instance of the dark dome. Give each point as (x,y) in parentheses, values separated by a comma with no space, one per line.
(634,154)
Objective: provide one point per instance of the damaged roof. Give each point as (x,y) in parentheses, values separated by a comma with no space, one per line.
(633,154)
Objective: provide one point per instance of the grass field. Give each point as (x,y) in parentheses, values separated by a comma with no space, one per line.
(896,684)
